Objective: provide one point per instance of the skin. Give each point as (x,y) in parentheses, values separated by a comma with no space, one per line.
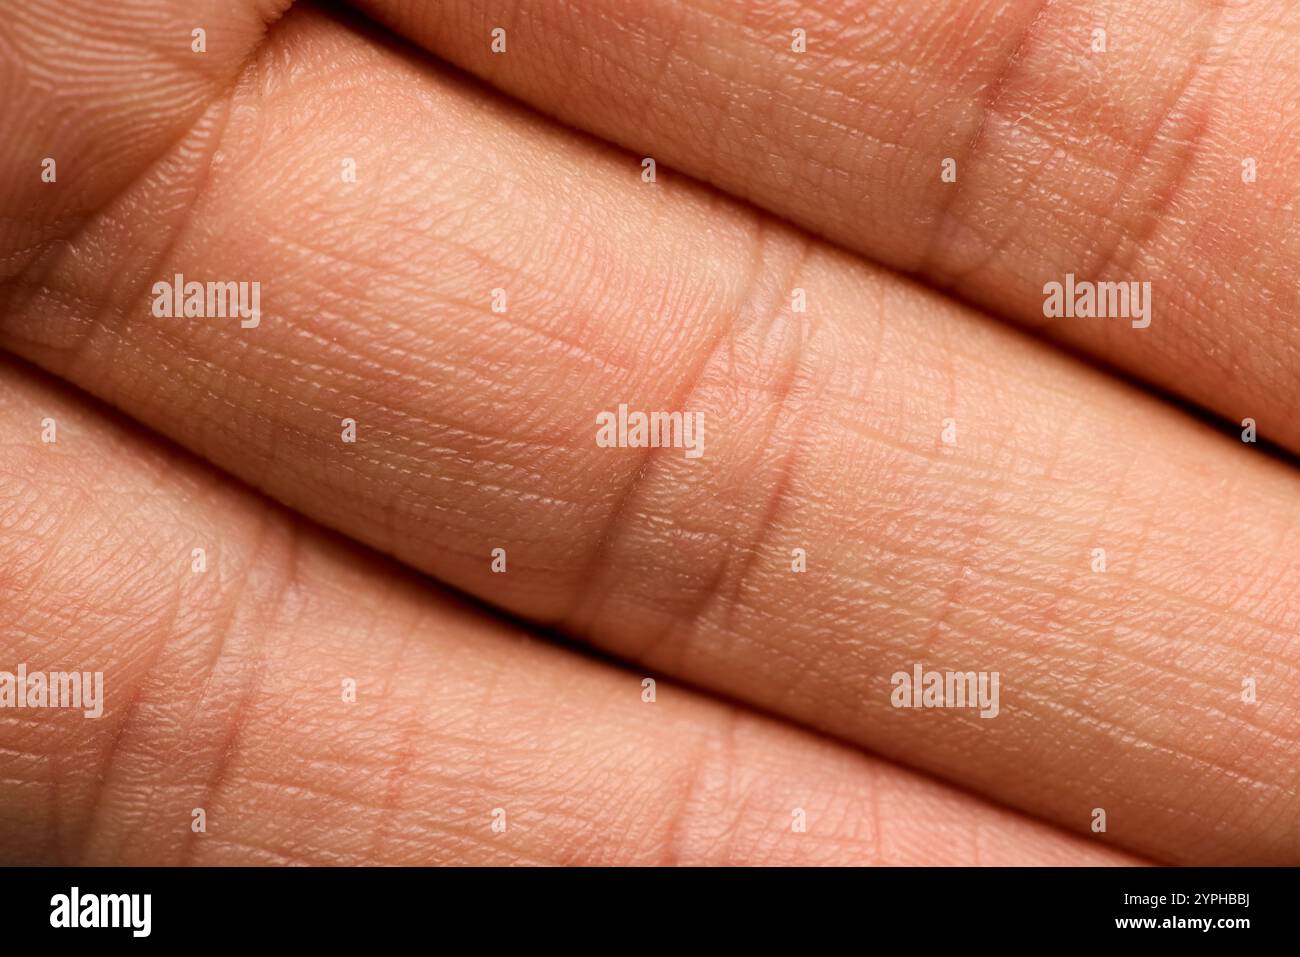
(1119,166)
(1121,690)
(224,693)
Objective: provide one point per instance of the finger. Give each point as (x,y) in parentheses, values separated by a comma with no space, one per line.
(225,693)
(1124,166)
(95,92)
(826,431)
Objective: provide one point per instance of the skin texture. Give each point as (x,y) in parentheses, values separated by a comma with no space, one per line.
(225,694)
(86,79)
(1119,166)
(476,430)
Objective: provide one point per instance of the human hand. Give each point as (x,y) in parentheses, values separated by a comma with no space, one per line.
(946,478)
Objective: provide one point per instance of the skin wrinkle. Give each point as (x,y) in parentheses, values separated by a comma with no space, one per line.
(677,835)
(1157,211)
(96,324)
(222,630)
(270,11)
(903,313)
(723,757)
(105,776)
(106,767)
(724,336)
(999,246)
(755,303)
(1095,104)
(395,411)
(997,90)
(249,686)
(73,518)
(781,495)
